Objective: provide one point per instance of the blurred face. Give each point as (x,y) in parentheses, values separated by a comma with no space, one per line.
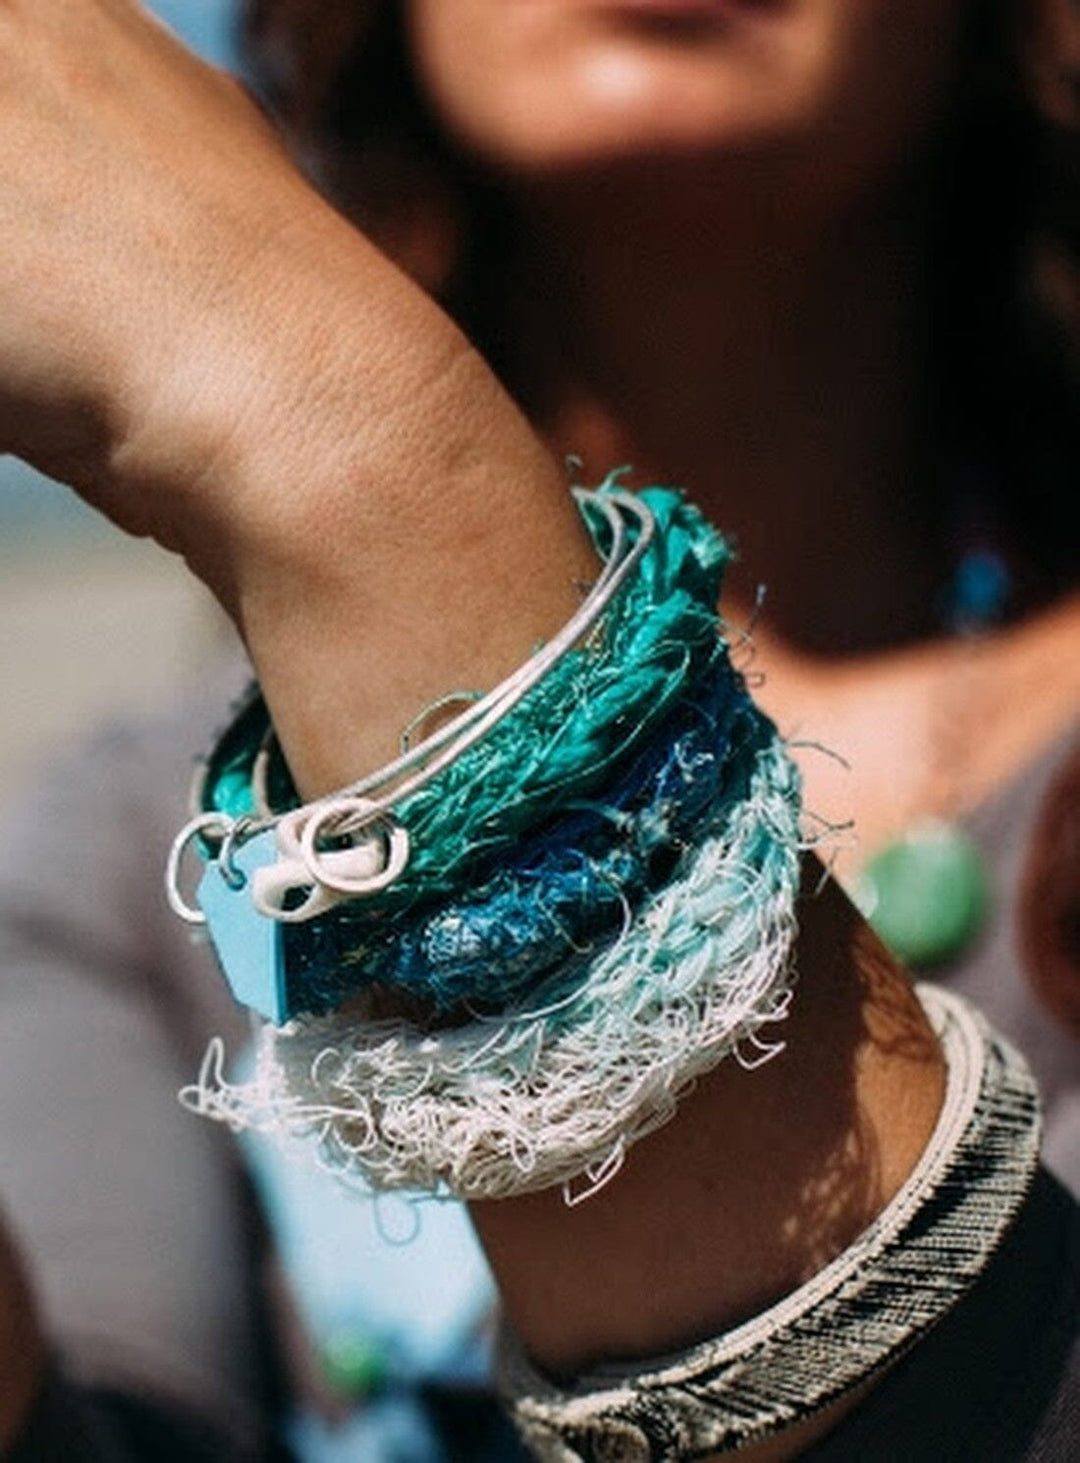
(540,86)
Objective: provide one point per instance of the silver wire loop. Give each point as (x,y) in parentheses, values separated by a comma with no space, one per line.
(379,860)
(239,832)
(204,823)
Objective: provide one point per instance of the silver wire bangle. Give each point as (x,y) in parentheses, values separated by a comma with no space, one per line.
(338,813)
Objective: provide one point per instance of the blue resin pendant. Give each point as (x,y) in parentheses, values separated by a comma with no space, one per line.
(926,893)
(249,947)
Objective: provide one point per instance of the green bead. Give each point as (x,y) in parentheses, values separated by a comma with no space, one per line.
(927,893)
(352,1365)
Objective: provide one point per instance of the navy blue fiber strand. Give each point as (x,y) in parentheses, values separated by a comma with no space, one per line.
(564,894)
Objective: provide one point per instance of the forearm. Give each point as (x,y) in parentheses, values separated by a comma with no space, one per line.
(379,520)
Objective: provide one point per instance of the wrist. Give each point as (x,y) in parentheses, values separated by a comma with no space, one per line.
(770,1172)
(421,580)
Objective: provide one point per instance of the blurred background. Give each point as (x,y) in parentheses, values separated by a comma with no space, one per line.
(95,626)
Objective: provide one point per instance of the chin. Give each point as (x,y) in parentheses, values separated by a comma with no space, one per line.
(539,86)
(617,107)
(540,83)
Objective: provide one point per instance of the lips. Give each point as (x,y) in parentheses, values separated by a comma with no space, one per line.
(689,11)
(689,8)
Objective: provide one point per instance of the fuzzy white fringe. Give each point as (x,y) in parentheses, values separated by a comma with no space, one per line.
(541,1096)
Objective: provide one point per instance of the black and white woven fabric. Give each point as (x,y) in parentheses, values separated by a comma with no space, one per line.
(903,1275)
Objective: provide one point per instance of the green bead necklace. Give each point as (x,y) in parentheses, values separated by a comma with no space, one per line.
(927,892)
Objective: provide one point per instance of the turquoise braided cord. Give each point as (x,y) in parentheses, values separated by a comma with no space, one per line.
(570,732)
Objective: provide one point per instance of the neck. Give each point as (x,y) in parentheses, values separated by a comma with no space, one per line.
(780,384)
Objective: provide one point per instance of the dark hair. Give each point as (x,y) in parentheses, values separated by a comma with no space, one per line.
(336,76)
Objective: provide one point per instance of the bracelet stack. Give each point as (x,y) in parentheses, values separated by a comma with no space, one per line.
(585,882)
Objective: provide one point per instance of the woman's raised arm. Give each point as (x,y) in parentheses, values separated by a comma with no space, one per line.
(209,353)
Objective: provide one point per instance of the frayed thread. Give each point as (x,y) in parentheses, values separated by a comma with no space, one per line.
(553,1092)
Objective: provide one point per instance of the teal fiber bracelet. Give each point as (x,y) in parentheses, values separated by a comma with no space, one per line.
(564,739)
(535,915)
(549,1078)
(577,723)
(555,1091)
